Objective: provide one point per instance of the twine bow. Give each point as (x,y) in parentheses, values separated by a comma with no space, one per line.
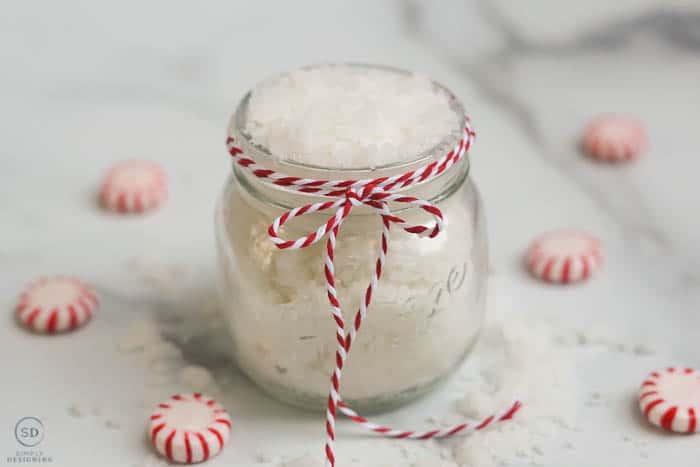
(376,194)
(370,196)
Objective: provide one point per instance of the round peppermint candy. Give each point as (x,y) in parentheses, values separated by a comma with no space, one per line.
(614,138)
(670,399)
(189,428)
(134,186)
(56,304)
(564,256)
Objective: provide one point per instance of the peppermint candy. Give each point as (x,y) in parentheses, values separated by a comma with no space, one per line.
(56,304)
(189,428)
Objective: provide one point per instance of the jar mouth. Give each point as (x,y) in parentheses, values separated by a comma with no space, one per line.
(263,155)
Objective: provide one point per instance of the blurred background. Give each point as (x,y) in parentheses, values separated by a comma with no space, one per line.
(85,84)
(87,81)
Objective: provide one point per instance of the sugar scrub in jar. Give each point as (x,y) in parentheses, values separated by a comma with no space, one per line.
(340,123)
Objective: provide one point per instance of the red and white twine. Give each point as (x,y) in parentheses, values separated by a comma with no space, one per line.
(376,194)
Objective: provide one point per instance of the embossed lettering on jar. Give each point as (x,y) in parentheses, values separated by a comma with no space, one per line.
(429,305)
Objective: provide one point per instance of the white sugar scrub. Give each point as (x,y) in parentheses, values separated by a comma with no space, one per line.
(518,358)
(196,378)
(428,307)
(348,116)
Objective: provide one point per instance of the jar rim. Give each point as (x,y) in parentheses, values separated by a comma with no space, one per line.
(263,155)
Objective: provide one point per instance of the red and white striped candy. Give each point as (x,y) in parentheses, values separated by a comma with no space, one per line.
(56,304)
(189,428)
(134,187)
(614,138)
(670,399)
(564,256)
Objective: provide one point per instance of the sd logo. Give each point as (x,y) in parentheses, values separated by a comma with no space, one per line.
(29,431)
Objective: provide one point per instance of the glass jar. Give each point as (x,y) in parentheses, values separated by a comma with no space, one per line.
(425,314)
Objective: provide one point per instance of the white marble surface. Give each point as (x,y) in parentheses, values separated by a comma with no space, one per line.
(87,83)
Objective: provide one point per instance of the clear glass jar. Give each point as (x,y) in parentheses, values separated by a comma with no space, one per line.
(425,314)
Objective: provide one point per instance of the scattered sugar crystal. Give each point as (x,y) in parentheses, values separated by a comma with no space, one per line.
(642,349)
(345,116)
(158,380)
(304,461)
(112,424)
(265,458)
(76,410)
(475,404)
(163,276)
(140,335)
(196,378)
(152,460)
(518,359)
(161,350)
(164,366)
(602,337)
(223,377)
(433,462)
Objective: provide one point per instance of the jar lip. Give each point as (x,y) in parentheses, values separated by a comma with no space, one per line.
(262,154)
